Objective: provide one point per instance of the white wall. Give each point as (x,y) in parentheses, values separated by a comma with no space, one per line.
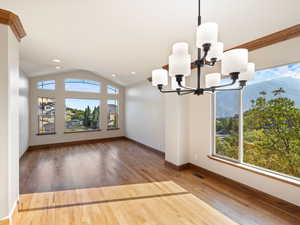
(23,113)
(145,115)
(9,132)
(60,94)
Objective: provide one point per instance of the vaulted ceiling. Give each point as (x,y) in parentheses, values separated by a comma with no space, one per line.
(123,36)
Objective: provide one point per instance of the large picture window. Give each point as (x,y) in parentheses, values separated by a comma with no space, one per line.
(270,110)
(113,114)
(82,85)
(46,115)
(82,115)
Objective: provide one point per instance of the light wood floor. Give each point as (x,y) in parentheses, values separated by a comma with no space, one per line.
(158,203)
(124,162)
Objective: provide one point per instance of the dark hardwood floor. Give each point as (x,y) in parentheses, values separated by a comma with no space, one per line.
(124,162)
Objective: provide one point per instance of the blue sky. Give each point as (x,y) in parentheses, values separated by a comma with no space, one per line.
(82,85)
(81,103)
(291,70)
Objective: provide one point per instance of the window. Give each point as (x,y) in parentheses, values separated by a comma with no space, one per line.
(82,85)
(46,115)
(113,114)
(227,124)
(81,114)
(46,85)
(270,113)
(112,90)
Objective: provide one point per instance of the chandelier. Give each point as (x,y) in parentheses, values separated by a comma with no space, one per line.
(234,63)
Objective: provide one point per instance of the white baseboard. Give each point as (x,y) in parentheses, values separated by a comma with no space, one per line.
(11,211)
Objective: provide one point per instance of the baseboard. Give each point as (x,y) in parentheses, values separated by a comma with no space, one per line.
(9,220)
(71,143)
(277,202)
(175,167)
(156,151)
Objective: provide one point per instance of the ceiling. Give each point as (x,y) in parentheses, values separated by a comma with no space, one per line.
(119,37)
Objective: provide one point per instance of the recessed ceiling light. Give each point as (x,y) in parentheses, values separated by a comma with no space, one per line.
(132,73)
(113,75)
(56,60)
(58,67)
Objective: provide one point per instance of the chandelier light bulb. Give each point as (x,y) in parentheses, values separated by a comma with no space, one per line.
(180,65)
(235,60)
(207,33)
(212,79)
(216,51)
(249,74)
(180,48)
(174,83)
(159,76)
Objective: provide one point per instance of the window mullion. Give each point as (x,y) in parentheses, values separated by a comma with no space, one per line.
(241,128)
(213,108)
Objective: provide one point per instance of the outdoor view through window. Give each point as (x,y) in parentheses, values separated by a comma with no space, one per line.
(81,114)
(271,117)
(46,115)
(113,114)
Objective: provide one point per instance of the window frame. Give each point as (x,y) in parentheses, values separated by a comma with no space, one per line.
(118,115)
(45,89)
(84,92)
(81,131)
(114,94)
(240,162)
(38,117)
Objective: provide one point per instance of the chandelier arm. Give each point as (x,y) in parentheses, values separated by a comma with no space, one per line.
(189,88)
(160,88)
(230,89)
(203,59)
(186,93)
(224,85)
(211,63)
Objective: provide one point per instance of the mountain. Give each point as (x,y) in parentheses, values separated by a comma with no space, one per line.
(227,104)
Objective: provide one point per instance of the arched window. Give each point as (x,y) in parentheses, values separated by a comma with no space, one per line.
(82,85)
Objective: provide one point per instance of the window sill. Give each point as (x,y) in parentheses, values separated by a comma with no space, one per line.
(257,171)
(46,134)
(108,129)
(81,131)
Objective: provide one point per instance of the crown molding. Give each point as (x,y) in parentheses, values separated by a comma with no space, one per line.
(12,20)
(271,39)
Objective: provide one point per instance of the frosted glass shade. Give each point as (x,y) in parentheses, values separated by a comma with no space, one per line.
(159,76)
(249,74)
(216,51)
(174,83)
(235,60)
(207,33)
(180,65)
(212,79)
(180,48)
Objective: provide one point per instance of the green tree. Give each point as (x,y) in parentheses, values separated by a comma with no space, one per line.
(87,117)
(271,134)
(95,118)
(278,121)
